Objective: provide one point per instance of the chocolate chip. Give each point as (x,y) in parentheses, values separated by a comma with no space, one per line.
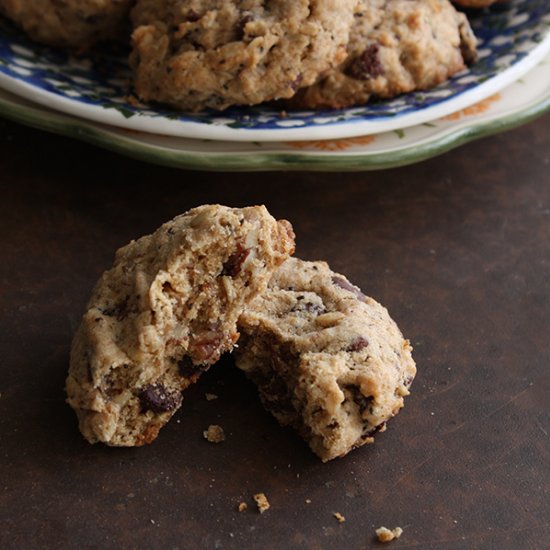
(346,285)
(247,18)
(156,398)
(357,344)
(362,401)
(192,16)
(374,430)
(367,65)
(232,266)
(167,288)
(119,311)
(188,369)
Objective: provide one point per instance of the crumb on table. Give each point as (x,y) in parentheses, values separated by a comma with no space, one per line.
(262,502)
(214,434)
(210,396)
(386,535)
(242,506)
(339,517)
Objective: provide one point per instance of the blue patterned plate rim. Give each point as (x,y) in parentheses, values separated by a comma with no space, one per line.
(513,37)
(523,101)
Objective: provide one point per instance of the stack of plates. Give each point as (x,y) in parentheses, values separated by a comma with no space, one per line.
(88,99)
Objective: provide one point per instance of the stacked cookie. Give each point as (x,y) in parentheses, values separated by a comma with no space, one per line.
(327,360)
(199,54)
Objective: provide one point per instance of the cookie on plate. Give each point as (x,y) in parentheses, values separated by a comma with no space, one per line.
(327,360)
(194,54)
(396,47)
(75,24)
(164,313)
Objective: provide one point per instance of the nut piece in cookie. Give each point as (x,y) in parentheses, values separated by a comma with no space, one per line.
(164,313)
(336,382)
(75,24)
(197,54)
(395,47)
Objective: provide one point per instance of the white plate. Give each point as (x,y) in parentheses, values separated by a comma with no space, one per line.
(518,103)
(514,38)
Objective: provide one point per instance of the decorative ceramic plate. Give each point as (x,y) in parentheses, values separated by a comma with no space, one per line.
(520,102)
(513,38)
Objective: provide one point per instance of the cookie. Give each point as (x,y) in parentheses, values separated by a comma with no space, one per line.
(164,313)
(396,47)
(194,54)
(327,359)
(75,24)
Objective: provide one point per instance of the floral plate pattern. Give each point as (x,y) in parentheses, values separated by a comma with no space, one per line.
(513,35)
(520,102)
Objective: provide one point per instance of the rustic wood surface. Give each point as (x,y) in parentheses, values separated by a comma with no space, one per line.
(458,249)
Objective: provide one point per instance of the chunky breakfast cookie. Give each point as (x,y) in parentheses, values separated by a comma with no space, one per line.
(396,46)
(327,359)
(76,24)
(194,54)
(164,313)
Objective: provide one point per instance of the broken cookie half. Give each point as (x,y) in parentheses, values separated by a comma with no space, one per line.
(327,359)
(164,313)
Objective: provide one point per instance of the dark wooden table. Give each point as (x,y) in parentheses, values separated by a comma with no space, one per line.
(458,249)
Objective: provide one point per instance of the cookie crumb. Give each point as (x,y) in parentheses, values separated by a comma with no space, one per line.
(385,535)
(214,434)
(262,502)
(339,517)
(308,501)
(210,396)
(242,506)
